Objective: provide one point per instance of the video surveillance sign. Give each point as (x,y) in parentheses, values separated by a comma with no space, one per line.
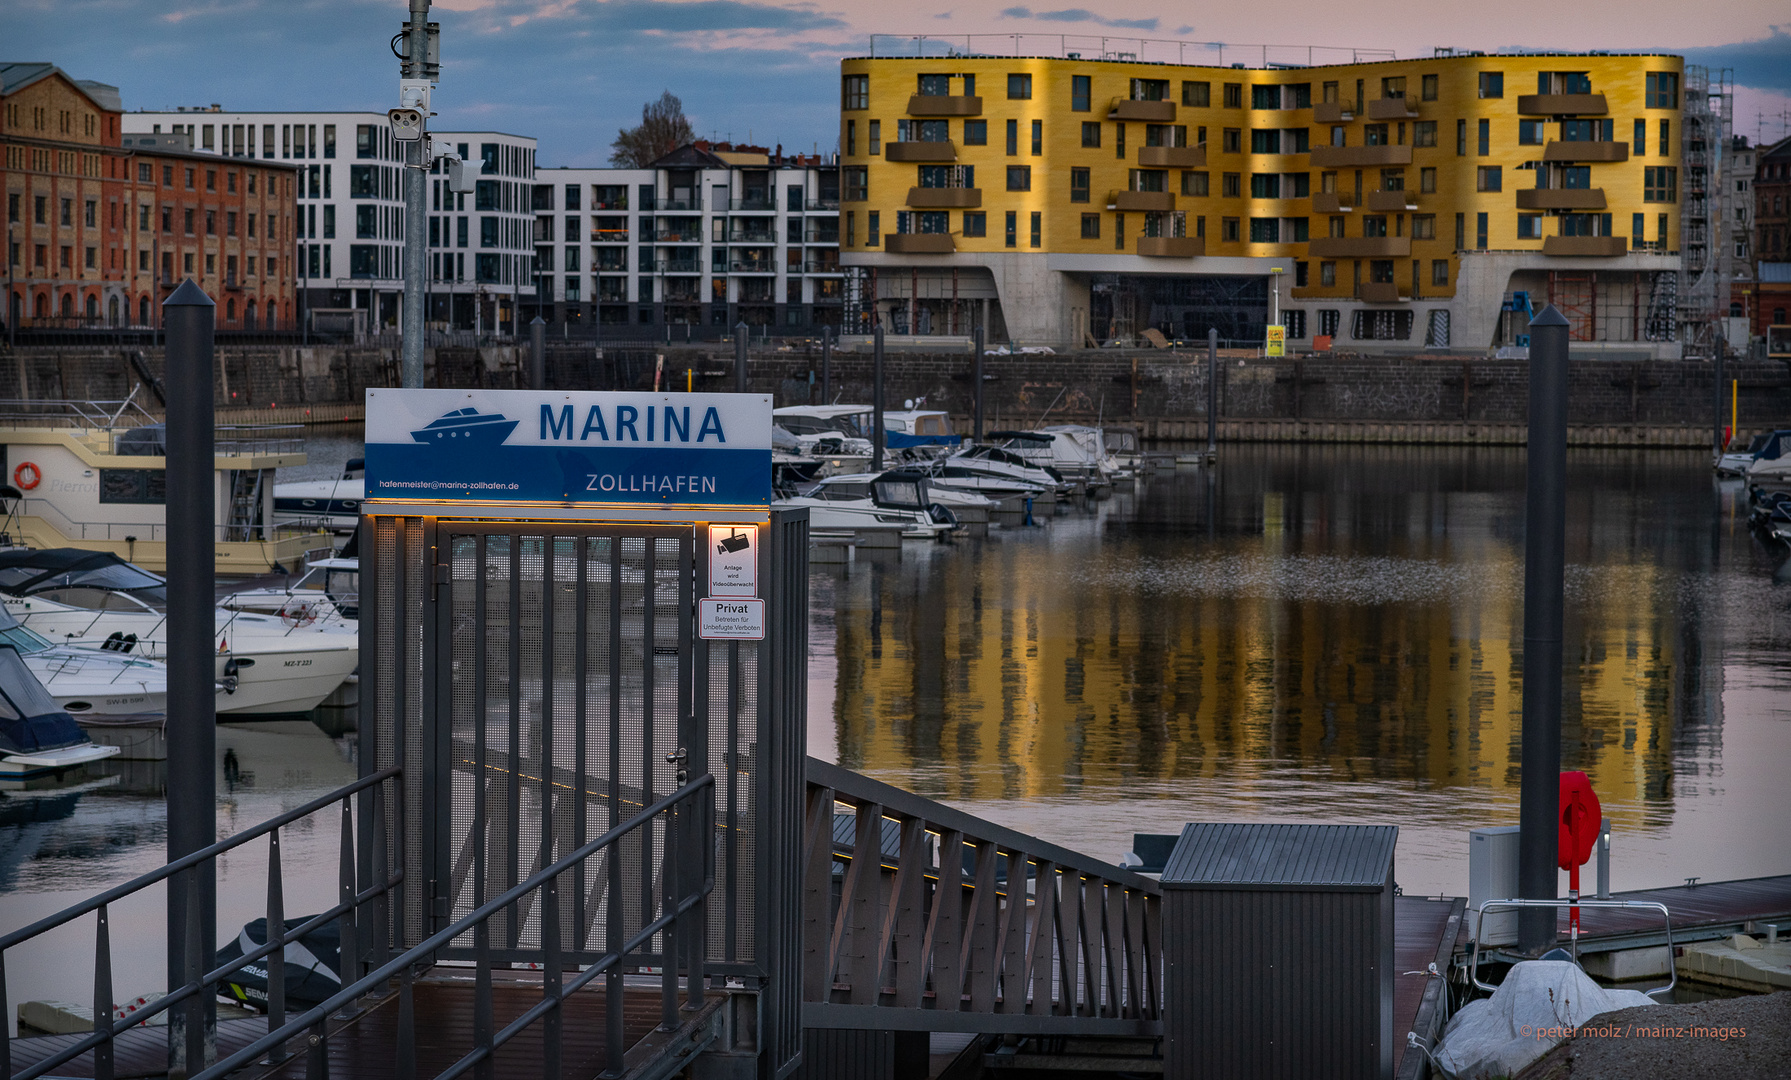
(733,560)
(524,446)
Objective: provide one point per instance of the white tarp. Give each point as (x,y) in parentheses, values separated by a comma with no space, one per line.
(1538,1006)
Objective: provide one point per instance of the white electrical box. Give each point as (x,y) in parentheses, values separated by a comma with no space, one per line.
(1492,875)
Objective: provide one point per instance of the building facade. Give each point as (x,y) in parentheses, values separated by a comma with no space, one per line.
(100,229)
(1071,200)
(350,214)
(710,235)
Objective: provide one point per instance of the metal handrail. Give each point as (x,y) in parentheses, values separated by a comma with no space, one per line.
(1666,916)
(554,994)
(198,978)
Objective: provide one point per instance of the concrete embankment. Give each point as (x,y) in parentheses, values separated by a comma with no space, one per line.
(1349,398)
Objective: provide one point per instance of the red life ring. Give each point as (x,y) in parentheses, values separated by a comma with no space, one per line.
(18,475)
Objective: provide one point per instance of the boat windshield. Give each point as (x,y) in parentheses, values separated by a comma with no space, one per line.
(23,639)
(23,696)
(902,491)
(87,588)
(822,425)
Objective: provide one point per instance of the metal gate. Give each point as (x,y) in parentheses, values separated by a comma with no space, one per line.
(545,682)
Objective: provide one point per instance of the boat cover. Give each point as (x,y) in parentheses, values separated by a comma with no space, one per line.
(23,572)
(30,720)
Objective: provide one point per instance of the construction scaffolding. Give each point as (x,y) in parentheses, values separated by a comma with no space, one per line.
(1705,207)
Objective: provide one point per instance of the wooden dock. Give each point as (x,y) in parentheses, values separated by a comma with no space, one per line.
(1700,912)
(1424,933)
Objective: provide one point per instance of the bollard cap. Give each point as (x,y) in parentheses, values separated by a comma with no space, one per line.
(537,321)
(1548,316)
(189,295)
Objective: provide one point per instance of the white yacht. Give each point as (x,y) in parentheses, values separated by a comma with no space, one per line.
(1735,462)
(93,475)
(997,473)
(910,427)
(37,736)
(838,436)
(1073,450)
(89,681)
(330,504)
(94,603)
(862,486)
(1772,462)
(898,500)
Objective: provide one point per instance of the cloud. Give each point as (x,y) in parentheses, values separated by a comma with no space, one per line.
(1078,15)
(1764,64)
(1180,30)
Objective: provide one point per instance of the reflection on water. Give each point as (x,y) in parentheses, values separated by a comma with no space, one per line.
(1325,633)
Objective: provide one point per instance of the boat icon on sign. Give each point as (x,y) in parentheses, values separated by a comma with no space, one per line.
(467,426)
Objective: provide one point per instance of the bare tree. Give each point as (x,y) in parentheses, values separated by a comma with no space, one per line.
(663,128)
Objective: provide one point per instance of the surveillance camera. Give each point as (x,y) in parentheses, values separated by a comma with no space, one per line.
(407,124)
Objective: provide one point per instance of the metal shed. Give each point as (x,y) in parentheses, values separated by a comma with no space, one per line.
(1278,951)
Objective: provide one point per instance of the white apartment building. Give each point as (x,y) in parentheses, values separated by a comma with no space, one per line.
(710,235)
(351,219)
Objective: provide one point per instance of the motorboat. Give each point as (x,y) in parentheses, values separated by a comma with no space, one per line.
(1735,462)
(1074,451)
(93,475)
(863,486)
(37,736)
(1771,464)
(910,427)
(836,436)
(1123,446)
(326,586)
(92,602)
(997,473)
(894,500)
(331,504)
(89,681)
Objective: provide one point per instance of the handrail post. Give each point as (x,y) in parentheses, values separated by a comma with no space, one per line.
(195,1033)
(276,960)
(673,935)
(5,1029)
(349,959)
(553,1023)
(102,996)
(406,1058)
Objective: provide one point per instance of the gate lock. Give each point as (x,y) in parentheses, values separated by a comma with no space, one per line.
(681,758)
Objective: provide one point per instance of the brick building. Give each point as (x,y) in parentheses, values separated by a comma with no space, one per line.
(101,227)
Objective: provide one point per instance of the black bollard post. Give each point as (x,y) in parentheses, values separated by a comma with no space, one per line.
(877,400)
(826,364)
(976,373)
(190,317)
(537,354)
(740,333)
(1212,394)
(1545,537)
(1721,411)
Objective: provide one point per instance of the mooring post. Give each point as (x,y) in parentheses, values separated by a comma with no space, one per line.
(190,318)
(537,354)
(1719,396)
(826,364)
(877,400)
(740,332)
(1212,394)
(1545,537)
(976,375)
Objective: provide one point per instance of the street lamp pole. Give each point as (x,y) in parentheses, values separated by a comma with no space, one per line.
(417,155)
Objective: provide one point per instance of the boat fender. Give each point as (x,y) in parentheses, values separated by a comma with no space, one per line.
(27,475)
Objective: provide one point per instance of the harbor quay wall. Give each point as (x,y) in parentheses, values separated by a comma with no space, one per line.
(1344,398)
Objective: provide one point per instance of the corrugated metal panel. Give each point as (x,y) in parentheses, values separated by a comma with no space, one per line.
(1775,273)
(1258,856)
(847,1054)
(783,724)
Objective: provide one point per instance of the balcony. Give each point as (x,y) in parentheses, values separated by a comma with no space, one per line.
(1597,247)
(1324,157)
(680,266)
(1557,150)
(1172,157)
(918,243)
(687,202)
(1140,200)
(1331,112)
(942,105)
(822,266)
(1359,247)
(1561,105)
(690,236)
(1332,202)
(1393,108)
(920,151)
(754,201)
(609,236)
(1155,112)
(932,198)
(752,266)
(1560,199)
(1172,247)
(823,203)
(1393,201)
(1380,292)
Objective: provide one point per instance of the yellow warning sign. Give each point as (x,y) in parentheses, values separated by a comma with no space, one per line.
(1276,344)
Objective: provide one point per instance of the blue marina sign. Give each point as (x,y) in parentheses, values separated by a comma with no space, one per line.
(590,447)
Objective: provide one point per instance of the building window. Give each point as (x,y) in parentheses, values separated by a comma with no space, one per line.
(976,223)
(1038,138)
(1079,185)
(1374,225)
(1019,177)
(1119,232)
(1119,141)
(1265,185)
(1228,229)
(1484,141)
(1666,142)
(1079,91)
(1439,272)
(1660,183)
(1265,230)
(1662,90)
(1194,183)
(1232,141)
(1428,83)
(1480,230)
(1265,96)
(1461,231)
(1199,95)
(1265,140)
(1038,228)
(857,183)
(1234,95)
(872,229)
(1488,178)
(855,92)
(1461,138)
(1091,133)
(1327,273)
(1013,138)
(1641,139)
(1427,180)
(1424,133)
(1013,228)
(1231,185)
(1530,132)
(1529,226)
(1019,87)
(1492,84)
(1091,226)
(1424,226)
